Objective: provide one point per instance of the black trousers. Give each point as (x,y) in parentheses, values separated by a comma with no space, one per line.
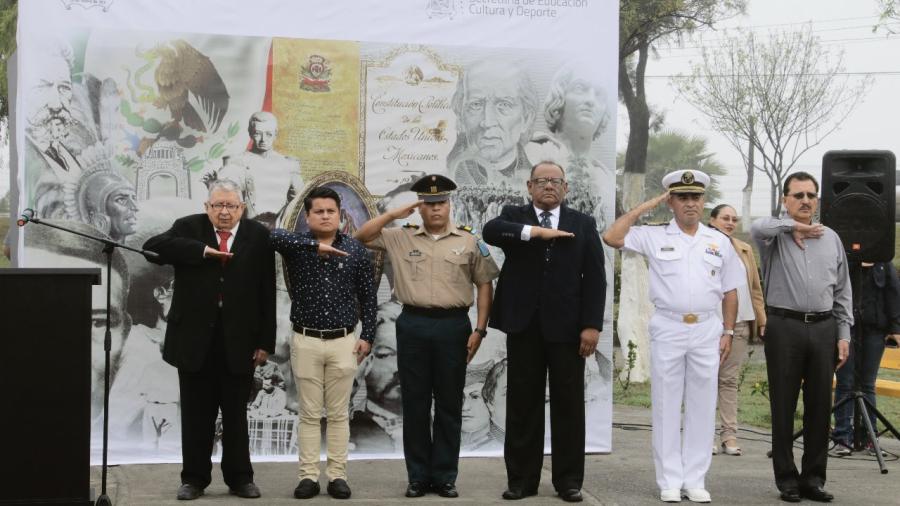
(203,394)
(431,359)
(531,361)
(800,355)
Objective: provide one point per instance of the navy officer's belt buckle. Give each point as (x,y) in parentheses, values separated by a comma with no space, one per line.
(690,318)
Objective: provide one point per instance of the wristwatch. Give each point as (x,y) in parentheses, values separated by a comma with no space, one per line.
(481,332)
(728,332)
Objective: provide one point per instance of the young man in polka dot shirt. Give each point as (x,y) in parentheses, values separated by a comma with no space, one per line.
(332,288)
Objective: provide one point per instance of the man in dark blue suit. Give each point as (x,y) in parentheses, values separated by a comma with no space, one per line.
(221,325)
(549,301)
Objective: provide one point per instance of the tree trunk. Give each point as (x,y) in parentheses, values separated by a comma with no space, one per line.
(635,99)
(748,187)
(634,314)
(773,198)
(634,305)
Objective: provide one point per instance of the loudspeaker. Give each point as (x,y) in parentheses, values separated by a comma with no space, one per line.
(858,202)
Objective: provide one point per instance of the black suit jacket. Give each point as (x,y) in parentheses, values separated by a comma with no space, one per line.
(565,285)
(246,282)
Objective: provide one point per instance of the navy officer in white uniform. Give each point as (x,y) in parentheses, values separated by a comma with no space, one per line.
(693,270)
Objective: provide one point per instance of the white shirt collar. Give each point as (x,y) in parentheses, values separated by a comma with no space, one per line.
(554,212)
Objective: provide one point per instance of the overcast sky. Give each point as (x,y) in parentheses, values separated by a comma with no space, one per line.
(841,25)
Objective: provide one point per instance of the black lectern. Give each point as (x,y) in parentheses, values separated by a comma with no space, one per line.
(46,345)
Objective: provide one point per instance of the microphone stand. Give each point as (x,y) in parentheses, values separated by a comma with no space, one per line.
(862,424)
(863,431)
(108,247)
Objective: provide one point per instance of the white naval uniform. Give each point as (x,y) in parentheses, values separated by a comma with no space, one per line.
(688,275)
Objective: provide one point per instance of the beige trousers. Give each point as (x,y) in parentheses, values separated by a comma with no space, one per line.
(324,371)
(728,382)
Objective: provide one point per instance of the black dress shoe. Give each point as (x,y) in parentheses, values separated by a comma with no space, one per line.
(416,489)
(188,492)
(790,495)
(306,489)
(571,495)
(514,494)
(339,489)
(817,494)
(446,490)
(247,491)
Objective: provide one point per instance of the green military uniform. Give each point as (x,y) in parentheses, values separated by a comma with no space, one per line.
(435,279)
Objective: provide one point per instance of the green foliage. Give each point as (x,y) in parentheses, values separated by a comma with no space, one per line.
(743,374)
(651,20)
(671,150)
(888,12)
(9,13)
(761,388)
(630,361)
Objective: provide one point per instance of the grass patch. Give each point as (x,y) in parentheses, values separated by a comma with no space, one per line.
(753,408)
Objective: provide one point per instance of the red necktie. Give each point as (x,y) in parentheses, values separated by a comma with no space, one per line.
(223,242)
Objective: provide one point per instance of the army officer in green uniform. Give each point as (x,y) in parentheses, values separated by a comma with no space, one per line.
(435,267)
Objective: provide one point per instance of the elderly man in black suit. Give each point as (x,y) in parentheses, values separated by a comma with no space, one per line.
(221,326)
(549,301)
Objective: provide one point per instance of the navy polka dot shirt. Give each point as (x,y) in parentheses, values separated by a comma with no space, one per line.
(328,292)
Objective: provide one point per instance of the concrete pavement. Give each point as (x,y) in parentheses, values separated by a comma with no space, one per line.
(624,477)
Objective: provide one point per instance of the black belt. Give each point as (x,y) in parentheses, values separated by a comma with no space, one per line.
(323,334)
(797,315)
(436,312)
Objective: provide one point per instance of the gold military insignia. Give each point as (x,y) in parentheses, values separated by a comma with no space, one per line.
(411,225)
(434,189)
(687,177)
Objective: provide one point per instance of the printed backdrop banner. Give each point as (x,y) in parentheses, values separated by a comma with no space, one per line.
(127,110)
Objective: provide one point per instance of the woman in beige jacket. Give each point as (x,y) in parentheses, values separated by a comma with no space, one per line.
(751,321)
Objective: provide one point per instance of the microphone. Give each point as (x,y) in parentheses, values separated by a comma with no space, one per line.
(27,215)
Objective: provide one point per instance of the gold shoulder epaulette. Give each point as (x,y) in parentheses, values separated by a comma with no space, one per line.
(482,247)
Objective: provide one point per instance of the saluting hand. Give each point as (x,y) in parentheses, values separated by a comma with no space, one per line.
(549,233)
(589,339)
(472,346)
(327,249)
(803,231)
(403,212)
(659,199)
(214,253)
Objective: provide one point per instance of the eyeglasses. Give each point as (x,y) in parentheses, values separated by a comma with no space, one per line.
(229,207)
(543,181)
(734,219)
(809,195)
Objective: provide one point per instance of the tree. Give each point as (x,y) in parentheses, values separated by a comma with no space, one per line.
(643,23)
(673,150)
(9,13)
(888,11)
(781,96)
